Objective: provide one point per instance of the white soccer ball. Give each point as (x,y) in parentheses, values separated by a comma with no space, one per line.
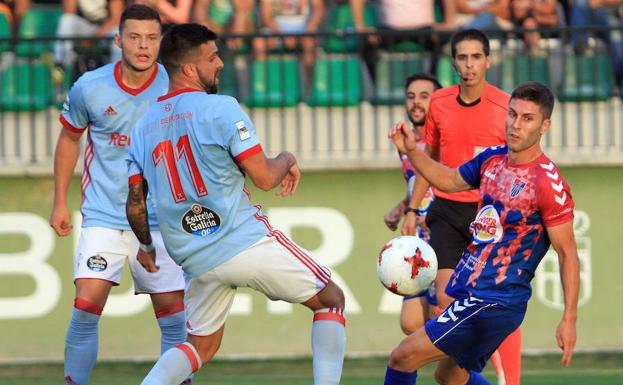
(407,265)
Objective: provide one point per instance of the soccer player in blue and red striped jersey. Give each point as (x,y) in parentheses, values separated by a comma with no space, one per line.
(193,149)
(525,205)
(105,104)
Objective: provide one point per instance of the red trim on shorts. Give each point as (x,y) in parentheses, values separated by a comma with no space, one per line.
(249,153)
(318,271)
(88,306)
(330,316)
(170,310)
(136,178)
(191,356)
(70,126)
(134,91)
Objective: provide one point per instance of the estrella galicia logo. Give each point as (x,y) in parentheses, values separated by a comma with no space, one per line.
(97,263)
(200,221)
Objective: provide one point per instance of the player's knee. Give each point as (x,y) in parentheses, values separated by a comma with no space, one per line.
(399,359)
(441,376)
(333,296)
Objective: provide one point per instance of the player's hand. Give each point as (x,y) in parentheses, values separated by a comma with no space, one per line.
(147,260)
(565,336)
(409,224)
(290,182)
(403,137)
(392,218)
(60,220)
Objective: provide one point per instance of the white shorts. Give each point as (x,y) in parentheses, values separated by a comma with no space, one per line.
(274,265)
(102,253)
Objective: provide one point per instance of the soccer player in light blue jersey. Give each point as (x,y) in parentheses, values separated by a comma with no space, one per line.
(193,149)
(105,103)
(525,206)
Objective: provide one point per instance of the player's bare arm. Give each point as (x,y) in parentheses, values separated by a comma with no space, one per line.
(267,173)
(136,211)
(65,158)
(444,178)
(563,241)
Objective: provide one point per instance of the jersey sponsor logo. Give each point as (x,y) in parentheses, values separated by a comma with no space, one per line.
(486,228)
(243,132)
(517,188)
(119,140)
(200,221)
(97,263)
(110,111)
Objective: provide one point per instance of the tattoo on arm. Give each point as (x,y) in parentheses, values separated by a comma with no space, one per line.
(136,211)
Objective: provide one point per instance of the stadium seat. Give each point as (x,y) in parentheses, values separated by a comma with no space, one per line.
(586,78)
(274,83)
(5,33)
(446,74)
(521,68)
(337,82)
(341,20)
(37,23)
(26,87)
(391,72)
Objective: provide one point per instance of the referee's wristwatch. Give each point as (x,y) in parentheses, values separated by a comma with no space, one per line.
(411,210)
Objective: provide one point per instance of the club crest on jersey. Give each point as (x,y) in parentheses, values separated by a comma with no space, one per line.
(243,132)
(200,221)
(517,188)
(487,228)
(97,263)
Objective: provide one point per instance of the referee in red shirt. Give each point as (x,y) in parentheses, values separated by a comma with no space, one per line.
(463,120)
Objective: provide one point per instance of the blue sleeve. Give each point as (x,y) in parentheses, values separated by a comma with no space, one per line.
(75,114)
(236,129)
(470,170)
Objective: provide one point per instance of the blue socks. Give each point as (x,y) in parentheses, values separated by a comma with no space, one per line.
(172,330)
(328,345)
(81,345)
(396,377)
(476,378)
(174,366)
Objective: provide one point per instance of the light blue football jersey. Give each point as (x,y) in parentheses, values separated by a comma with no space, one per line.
(100,103)
(188,147)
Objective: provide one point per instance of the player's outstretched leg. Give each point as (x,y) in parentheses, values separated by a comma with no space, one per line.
(81,342)
(328,334)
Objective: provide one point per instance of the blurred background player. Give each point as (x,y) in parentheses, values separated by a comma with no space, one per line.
(419,89)
(462,121)
(525,205)
(221,240)
(107,102)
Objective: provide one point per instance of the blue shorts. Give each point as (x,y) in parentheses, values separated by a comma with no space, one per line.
(429,294)
(470,329)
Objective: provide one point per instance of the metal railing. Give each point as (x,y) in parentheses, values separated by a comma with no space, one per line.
(336,114)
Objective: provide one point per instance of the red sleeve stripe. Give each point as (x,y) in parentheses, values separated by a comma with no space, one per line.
(191,355)
(330,316)
(248,153)
(87,306)
(170,310)
(136,178)
(69,126)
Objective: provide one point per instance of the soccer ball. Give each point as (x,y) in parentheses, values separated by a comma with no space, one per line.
(407,265)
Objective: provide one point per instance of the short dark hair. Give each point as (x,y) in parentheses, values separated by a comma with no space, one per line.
(422,76)
(470,34)
(537,93)
(180,41)
(139,12)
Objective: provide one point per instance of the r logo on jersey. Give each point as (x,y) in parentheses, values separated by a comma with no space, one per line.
(486,228)
(97,263)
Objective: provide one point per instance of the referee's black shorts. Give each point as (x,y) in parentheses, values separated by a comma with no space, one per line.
(449,222)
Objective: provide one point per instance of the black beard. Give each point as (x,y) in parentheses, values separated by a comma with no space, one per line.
(418,122)
(212,89)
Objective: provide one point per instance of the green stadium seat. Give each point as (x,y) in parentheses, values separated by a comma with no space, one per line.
(274,83)
(340,20)
(26,87)
(5,33)
(228,80)
(337,82)
(37,23)
(586,78)
(522,68)
(446,74)
(391,72)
